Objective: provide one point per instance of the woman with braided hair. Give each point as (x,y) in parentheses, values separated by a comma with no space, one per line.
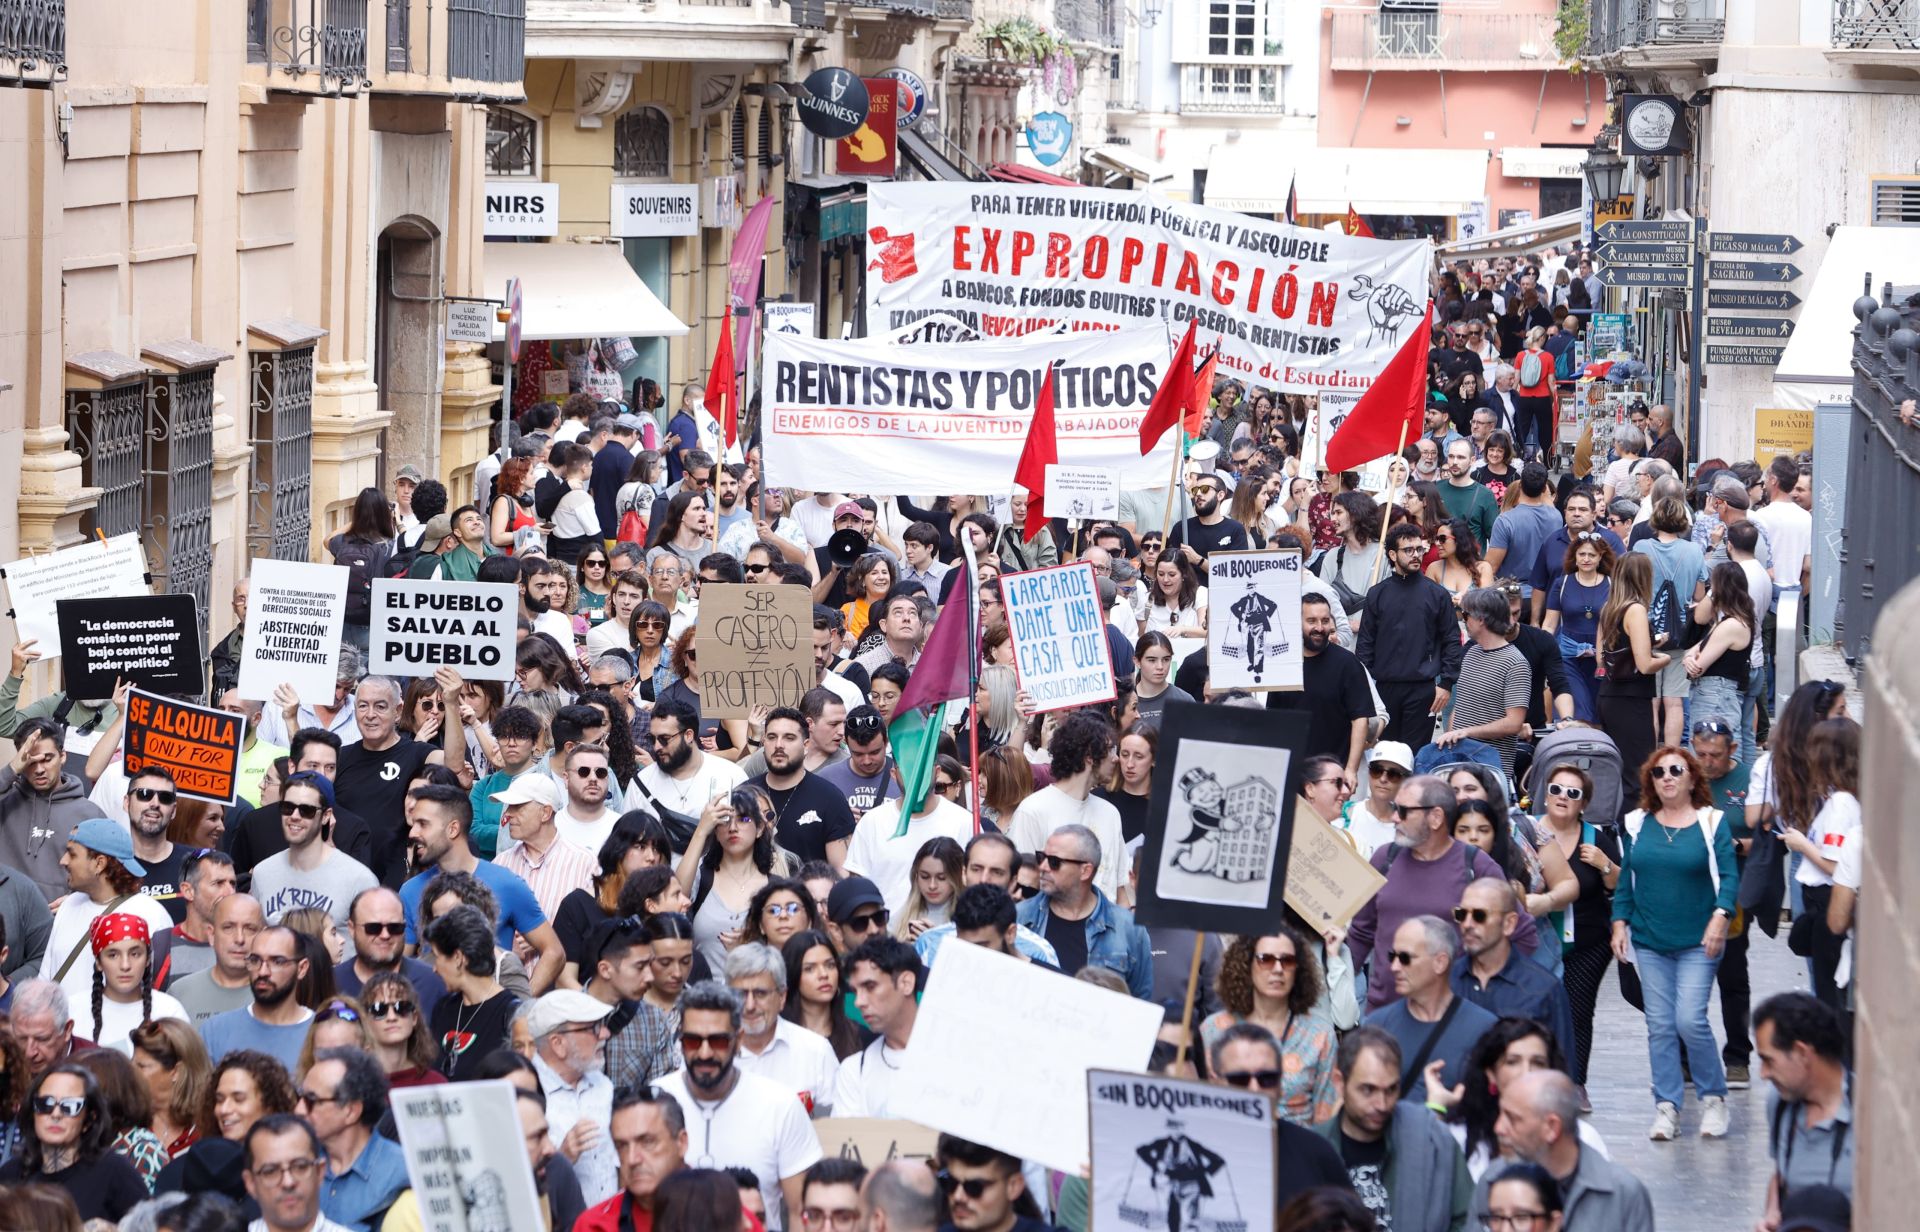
(123,992)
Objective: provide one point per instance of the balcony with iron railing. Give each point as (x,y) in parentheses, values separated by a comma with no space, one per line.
(33,42)
(1230,89)
(459,48)
(1428,39)
(309,46)
(754,31)
(1089,23)
(1628,33)
(1876,32)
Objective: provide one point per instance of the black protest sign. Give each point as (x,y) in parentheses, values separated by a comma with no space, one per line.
(152,641)
(756,648)
(1220,819)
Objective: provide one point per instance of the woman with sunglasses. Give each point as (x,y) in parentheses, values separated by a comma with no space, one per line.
(1274,981)
(1585,927)
(1671,912)
(129,1108)
(1537,871)
(652,660)
(593,577)
(1573,606)
(124,997)
(172,1062)
(67,1139)
(1627,655)
(937,877)
(1153,544)
(782,909)
(1458,565)
(399,1031)
(340,1023)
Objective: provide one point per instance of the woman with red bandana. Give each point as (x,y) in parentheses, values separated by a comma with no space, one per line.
(123,994)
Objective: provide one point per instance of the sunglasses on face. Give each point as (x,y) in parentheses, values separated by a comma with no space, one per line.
(376,928)
(1390,773)
(1407,810)
(944,785)
(1667,772)
(719,1041)
(1571,793)
(1019,891)
(1403,958)
(1252,1079)
(145,794)
(309,811)
(862,923)
(753,569)
(391,1009)
(1712,727)
(650,623)
(591,772)
(782,910)
(1055,862)
(1479,915)
(1284,961)
(973,1186)
(55,1105)
(345,1013)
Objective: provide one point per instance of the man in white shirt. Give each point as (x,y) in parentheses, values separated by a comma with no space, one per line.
(736,1119)
(682,777)
(551,866)
(771,1045)
(586,821)
(570,1056)
(311,872)
(1788,527)
(543,585)
(1082,750)
(884,853)
(885,976)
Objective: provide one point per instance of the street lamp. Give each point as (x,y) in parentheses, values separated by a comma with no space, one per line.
(1150,12)
(1605,170)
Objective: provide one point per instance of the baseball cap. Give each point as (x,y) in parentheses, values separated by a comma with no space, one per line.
(631,422)
(438,527)
(318,782)
(564,1008)
(849,896)
(533,787)
(109,838)
(410,473)
(1393,752)
(1729,489)
(848,509)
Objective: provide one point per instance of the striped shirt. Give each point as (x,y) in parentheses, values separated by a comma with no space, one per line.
(1491,683)
(553,874)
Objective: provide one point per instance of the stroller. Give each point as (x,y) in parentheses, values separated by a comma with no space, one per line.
(1593,751)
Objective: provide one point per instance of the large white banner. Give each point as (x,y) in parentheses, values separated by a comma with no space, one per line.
(114,568)
(875,416)
(1297,310)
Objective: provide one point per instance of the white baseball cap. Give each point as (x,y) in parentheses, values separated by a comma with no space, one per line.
(533,787)
(1393,752)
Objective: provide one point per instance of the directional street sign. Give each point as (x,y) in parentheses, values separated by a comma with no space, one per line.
(1750,298)
(1671,232)
(1615,252)
(1744,353)
(1752,244)
(1646,276)
(1753,271)
(1749,327)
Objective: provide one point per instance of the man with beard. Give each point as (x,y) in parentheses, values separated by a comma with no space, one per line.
(1465,497)
(150,805)
(206,879)
(275,1023)
(224,986)
(1404,1164)
(1409,639)
(375,772)
(813,820)
(256,834)
(726,494)
(682,777)
(40,803)
(865,778)
(749,1121)
(543,584)
(640,1041)
(649,1131)
(311,872)
(1210,529)
(570,1056)
(1334,690)
(377,923)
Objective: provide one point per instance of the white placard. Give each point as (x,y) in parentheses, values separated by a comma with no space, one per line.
(469,321)
(1163,1146)
(1027,1094)
(418,626)
(1083,493)
(720,202)
(466,1157)
(1223,823)
(655,209)
(790,319)
(92,570)
(294,614)
(521,207)
(1060,652)
(1253,625)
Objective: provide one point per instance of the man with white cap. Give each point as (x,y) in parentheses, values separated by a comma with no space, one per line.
(548,863)
(570,1055)
(1368,820)
(102,876)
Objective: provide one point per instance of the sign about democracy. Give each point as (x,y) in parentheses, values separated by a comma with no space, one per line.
(1170,1153)
(152,642)
(1328,880)
(756,648)
(292,635)
(198,745)
(1026,1095)
(884,417)
(1295,309)
(97,569)
(417,627)
(1220,818)
(1253,622)
(1060,652)
(466,1157)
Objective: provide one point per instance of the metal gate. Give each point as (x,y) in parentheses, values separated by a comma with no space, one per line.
(281,518)
(106,427)
(179,475)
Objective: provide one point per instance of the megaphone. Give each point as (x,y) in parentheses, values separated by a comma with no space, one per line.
(845,547)
(1205,455)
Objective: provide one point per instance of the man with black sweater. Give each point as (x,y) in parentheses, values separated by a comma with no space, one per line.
(1410,640)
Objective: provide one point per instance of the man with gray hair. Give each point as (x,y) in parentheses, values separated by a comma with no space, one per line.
(900,1197)
(1083,925)
(570,1056)
(43,1023)
(771,1045)
(1540,1123)
(746,1120)
(376,771)
(1436,1030)
(343,1095)
(1491,694)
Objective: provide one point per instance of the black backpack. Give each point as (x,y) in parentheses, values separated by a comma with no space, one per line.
(365,561)
(1664,616)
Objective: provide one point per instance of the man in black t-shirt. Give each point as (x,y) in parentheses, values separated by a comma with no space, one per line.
(1334,692)
(1210,529)
(811,815)
(151,797)
(375,773)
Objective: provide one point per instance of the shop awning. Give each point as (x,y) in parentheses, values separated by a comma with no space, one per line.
(1372,181)
(1817,364)
(1014,173)
(1520,238)
(1124,162)
(577,291)
(1543,162)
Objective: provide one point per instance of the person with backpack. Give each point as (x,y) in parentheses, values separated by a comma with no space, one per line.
(1535,423)
(364,547)
(1629,663)
(1679,582)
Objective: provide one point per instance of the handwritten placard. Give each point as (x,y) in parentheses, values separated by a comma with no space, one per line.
(1080,493)
(756,648)
(198,745)
(466,1157)
(294,614)
(1253,632)
(1060,652)
(1026,1095)
(113,568)
(1328,880)
(152,641)
(418,626)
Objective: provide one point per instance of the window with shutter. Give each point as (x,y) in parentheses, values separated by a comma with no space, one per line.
(1896,200)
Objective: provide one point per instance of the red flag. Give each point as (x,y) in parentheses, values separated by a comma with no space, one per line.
(1041,451)
(1390,413)
(723,393)
(1171,398)
(1357,225)
(1200,400)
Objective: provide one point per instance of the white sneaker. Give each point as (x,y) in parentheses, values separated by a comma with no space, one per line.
(1666,1123)
(1714,1117)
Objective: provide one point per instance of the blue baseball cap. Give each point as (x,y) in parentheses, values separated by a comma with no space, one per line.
(307,778)
(107,837)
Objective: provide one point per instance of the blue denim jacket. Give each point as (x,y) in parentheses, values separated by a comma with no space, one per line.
(1114,941)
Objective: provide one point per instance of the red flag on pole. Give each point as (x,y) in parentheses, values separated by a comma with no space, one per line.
(1389,414)
(1164,412)
(1357,225)
(1041,451)
(1200,400)
(723,391)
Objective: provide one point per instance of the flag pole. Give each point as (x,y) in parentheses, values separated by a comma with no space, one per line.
(1380,557)
(1173,480)
(1193,988)
(972,600)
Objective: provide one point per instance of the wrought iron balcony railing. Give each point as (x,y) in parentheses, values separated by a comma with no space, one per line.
(33,42)
(1403,39)
(321,40)
(1616,26)
(1860,25)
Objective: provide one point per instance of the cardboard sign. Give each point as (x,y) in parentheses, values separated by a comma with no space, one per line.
(1026,1094)
(416,627)
(1082,493)
(294,614)
(756,648)
(1170,1153)
(198,745)
(1253,630)
(1328,880)
(872,1141)
(116,568)
(1061,656)
(466,1157)
(1220,818)
(152,641)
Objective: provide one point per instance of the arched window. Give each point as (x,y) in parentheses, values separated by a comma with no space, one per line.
(643,144)
(512,143)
